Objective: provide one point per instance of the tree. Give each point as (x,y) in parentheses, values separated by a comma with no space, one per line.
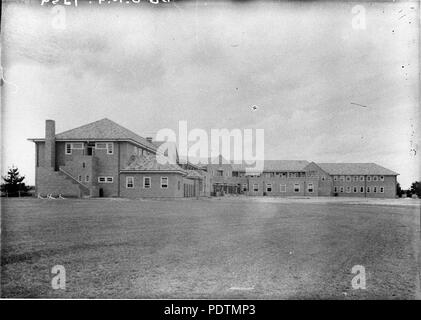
(416,188)
(13,183)
(399,190)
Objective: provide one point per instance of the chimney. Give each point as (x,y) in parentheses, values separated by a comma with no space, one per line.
(50,144)
(149,139)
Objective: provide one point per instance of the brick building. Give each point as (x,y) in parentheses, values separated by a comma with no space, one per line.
(104,159)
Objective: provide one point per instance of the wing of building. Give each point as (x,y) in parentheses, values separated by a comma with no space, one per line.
(104,159)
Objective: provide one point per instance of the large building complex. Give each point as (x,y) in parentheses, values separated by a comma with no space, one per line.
(104,159)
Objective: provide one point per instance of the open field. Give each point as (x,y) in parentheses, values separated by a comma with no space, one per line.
(211,248)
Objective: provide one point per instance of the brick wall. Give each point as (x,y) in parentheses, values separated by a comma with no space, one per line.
(174,190)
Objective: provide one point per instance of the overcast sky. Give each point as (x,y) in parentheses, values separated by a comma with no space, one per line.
(147,67)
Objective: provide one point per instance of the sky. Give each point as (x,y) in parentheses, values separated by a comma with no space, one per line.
(326,91)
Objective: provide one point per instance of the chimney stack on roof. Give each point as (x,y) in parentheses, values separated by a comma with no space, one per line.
(50,144)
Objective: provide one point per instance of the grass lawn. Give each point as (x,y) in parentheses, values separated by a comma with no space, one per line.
(230,248)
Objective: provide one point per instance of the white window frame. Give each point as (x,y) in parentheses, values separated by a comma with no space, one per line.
(323,178)
(244,187)
(361,178)
(355,178)
(375,178)
(295,187)
(87,178)
(66,148)
(269,185)
(342,178)
(162,185)
(105,179)
(100,143)
(374,189)
(361,189)
(255,187)
(335,189)
(381,189)
(312,187)
(335,178)
(128,182)
(348,189)
(79,178)
(381,178)
(110,147)
(348,178)
(355,189)
(284,187)
(368,178)
(144,184)
(341,189)
(368,189)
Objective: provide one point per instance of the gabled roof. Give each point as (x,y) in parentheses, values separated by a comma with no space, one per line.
(104,129)
(150,163)
(355,169)
(276,165)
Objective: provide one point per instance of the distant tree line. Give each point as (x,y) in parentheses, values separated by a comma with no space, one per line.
(415,189)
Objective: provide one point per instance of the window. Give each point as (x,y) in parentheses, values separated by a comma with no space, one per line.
(105,145)
(374,189)
(179,185)
(83,165)
(355,178)
(335,178)
(296,187)
(362,189)
(100,145)
(381,178)
(342,178)
(235,173)
(105,179)
(269,187)
(348,178)
(245,187)
(368,178)
(375,178)
(348,189)
(110,148)
(381,189)
(361,178)
(310,187)
(368,189)
(129,182)
(255,187)
(146,182)
(68,148)
(341,189)
(87,178)
(335,189)
(355,189)
(79,178)
(220,173)
(164,182)
(283,188)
